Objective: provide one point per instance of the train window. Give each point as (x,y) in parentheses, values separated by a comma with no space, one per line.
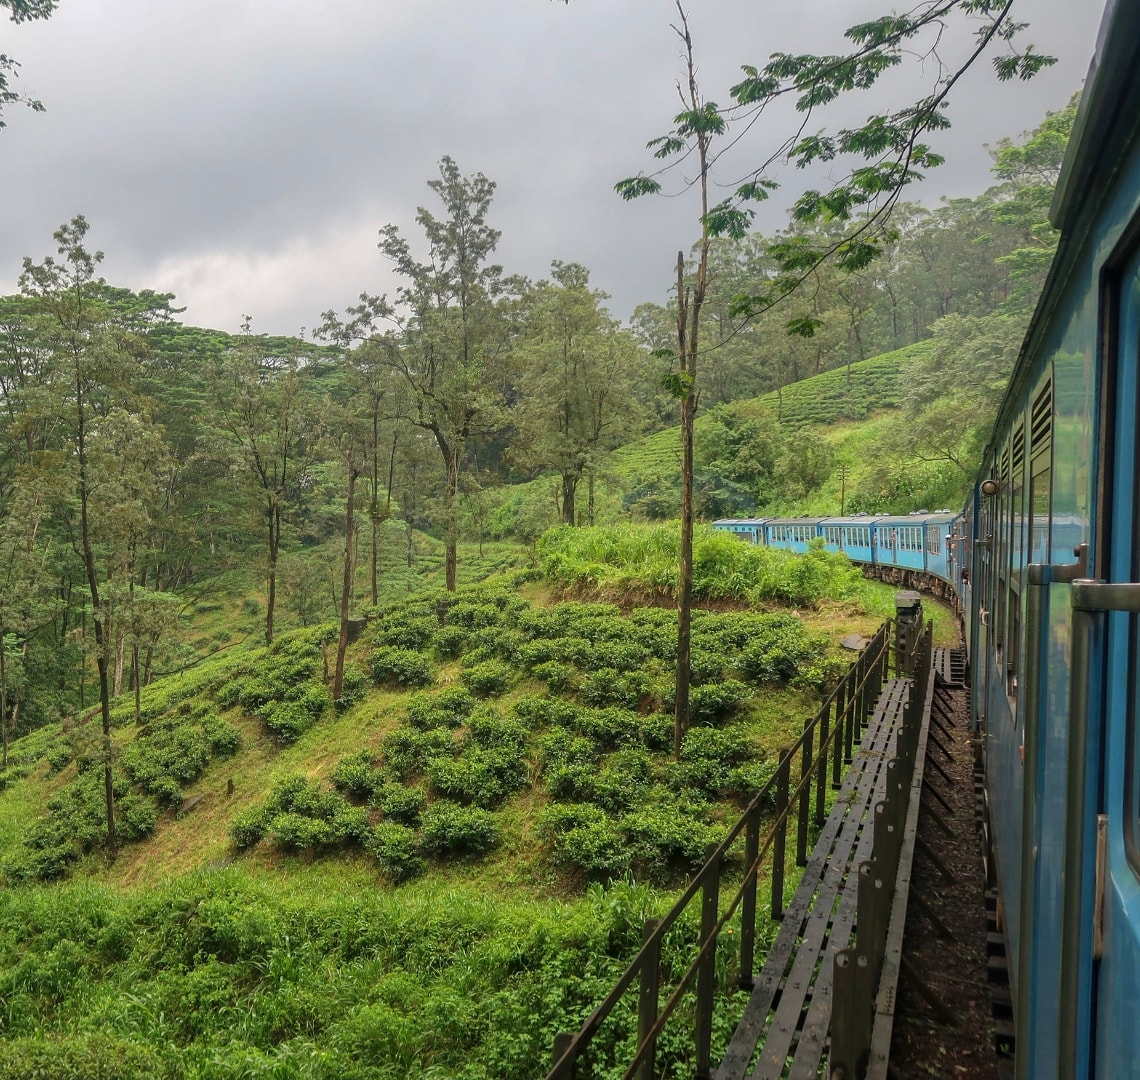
(933,540)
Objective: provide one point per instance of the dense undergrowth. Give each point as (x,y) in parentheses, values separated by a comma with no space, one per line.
(482,737)
(217,977)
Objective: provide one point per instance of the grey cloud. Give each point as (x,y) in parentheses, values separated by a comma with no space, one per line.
(249,142)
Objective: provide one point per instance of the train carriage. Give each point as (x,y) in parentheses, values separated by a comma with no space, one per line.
(851,535)
(1045,563)
(750,529)
(791,534)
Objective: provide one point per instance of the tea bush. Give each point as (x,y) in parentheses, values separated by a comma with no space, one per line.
(451,829)
(715,701)
(357,775)
(449,641)
(482,777)
(400,668)
(560,677)
(487,679)
(667,839)
(623,780)
(585,842)
(449,708)
(396,851)
(407,751)
(399,803)
(606,686)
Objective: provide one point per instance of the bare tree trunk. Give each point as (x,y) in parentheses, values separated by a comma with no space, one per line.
(271,573)
(137,682)
(346,588)
(569,488)
(688,341)
(3,701)
(101,643)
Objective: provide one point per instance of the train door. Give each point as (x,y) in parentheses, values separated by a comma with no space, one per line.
(1100,947)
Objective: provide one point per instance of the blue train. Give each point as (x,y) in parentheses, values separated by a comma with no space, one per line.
(1044,561)
(922,549)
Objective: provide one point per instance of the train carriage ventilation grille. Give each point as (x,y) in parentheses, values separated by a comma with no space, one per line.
(1041,421)
(1018,450)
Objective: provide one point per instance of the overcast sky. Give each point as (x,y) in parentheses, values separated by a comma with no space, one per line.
(242,154)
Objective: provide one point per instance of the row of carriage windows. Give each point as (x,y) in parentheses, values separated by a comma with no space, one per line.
(850,537)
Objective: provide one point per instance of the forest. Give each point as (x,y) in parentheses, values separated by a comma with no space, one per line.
(148,465)
(345,726)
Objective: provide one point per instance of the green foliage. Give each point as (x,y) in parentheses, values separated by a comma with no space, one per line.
(451,829)
(396,851)
(447,708)
(357,775)
(778,647)
(585,842)
(400,668)
(645,557)
(488,678)
(407,751)
(399,803)
(90,1056)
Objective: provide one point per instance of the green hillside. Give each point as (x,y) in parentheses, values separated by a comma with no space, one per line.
(814,447)
(397,885)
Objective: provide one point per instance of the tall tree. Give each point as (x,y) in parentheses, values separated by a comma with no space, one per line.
(261,409)
(94,355)
(575,394)
(450,340)
(20,11)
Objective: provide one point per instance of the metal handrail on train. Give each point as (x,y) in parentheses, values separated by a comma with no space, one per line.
(838,722)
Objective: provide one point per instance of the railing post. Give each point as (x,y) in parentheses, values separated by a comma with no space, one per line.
(821,769)
(706,975)
(840,730)
(806,745)
(648,1000)
(780,840)
(748,901)
(562,1043)
(849,716)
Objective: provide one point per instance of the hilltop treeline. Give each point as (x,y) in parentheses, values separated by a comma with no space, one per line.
(141,457)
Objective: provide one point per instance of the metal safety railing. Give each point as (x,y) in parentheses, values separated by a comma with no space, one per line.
(858,968)
(791,802)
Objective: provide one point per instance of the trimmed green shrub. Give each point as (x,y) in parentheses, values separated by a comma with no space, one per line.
(400,803)
(473,616)
(136,816)
(557,675)
(407,751)
(396,851)
(585,842)
(668,839)
(249,826)
(356,774)
(487,679)
(483,777)
(450,641)
(623,779)
(606,686)
(400,667)
(488,729)
(714,701)
(449,708)
(451,829)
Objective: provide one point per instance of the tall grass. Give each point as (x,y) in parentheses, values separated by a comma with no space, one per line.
(645,558)
(219,976)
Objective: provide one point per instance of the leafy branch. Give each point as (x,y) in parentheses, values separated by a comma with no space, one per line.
(890,147)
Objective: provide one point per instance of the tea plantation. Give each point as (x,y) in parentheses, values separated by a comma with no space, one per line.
(427,878)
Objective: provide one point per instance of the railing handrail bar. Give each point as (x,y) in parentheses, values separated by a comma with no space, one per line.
(625,980)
